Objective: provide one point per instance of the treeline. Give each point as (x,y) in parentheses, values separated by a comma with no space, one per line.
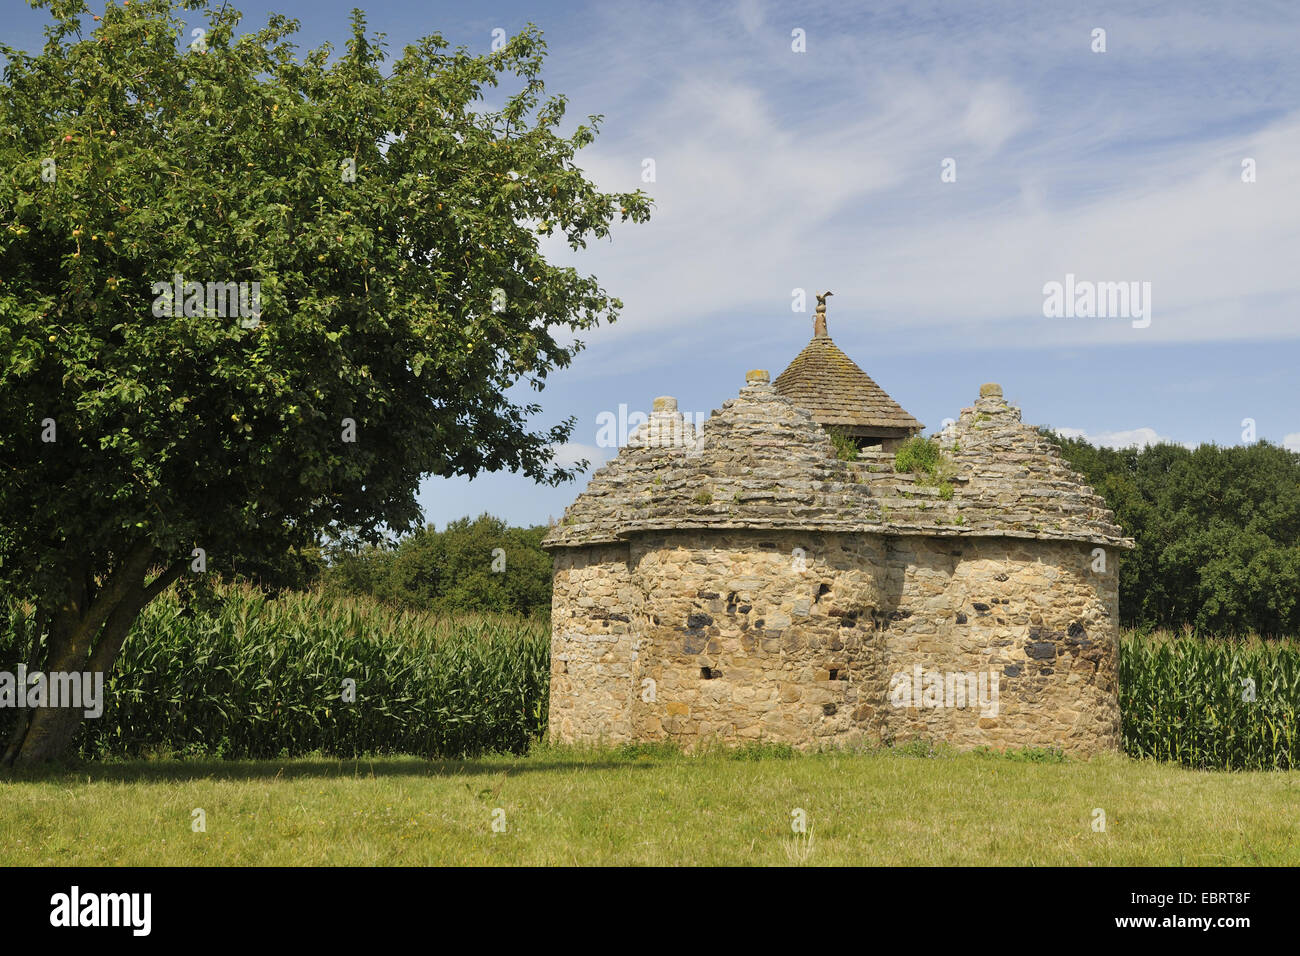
(482,564)
(1217,532)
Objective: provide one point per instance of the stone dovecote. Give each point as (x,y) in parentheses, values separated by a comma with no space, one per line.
(745,583)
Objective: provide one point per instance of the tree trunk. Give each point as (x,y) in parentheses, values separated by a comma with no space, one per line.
(45,733)
(48,735)
(85,635)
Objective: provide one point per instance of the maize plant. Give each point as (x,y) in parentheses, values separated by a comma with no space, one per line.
(1211,704)
(262,677)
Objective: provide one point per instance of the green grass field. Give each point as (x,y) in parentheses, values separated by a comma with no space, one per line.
(648,806)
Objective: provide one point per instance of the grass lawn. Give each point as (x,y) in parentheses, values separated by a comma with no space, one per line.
(568,806)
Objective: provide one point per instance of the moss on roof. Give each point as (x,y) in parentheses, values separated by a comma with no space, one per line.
(835,391)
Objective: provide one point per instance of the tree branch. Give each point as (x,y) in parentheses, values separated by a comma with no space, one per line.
(131,570)
(124,614)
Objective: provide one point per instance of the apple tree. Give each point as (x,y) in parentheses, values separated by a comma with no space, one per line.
(250,297)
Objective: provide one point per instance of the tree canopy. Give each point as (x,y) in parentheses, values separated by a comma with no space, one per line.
(472,565)
(391,223)
(1217,532)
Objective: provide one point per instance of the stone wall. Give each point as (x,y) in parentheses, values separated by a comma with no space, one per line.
(800,637)
(596,611)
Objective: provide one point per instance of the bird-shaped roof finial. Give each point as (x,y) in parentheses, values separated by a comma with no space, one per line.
(819,325)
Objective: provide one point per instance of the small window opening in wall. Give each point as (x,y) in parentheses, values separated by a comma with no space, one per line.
(835,674)
(708,673)
(822,591)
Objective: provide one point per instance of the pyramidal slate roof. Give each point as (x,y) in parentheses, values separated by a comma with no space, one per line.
(836,391)
(763,462)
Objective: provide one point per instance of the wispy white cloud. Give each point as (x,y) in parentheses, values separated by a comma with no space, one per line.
(778,170)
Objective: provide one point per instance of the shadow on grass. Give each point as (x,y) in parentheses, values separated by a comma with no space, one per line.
(294,768)
(543,758)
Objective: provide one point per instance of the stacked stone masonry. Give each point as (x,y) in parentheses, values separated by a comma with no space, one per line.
(744,584)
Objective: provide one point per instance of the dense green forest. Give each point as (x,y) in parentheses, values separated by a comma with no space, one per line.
(1217,532)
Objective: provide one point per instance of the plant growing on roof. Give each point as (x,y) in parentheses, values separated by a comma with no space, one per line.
(846,449)
(924,458)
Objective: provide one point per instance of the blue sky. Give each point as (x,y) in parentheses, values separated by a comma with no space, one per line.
(778,170)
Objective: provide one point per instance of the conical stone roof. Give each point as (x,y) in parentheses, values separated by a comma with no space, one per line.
(762,462)
(837,392)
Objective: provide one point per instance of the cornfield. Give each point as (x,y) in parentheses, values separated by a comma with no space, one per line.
(259,677)
(1211,704)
